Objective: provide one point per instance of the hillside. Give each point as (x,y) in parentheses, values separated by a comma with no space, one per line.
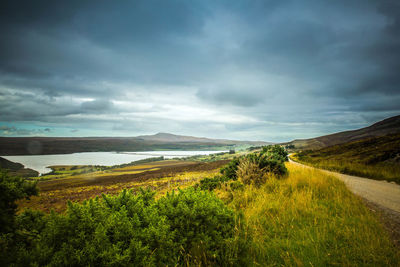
(381,128)
(173,138)
(305,217)
(16,169)
(377,157)
(64,145)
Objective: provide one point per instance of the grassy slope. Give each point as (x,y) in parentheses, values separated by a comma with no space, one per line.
(308,218)
(381,128)
(311,219)
(377,158)
(16,169)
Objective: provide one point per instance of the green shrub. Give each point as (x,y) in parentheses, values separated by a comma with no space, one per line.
(211,183)
(189,226)
(229,171)
(109,231)
(275,152)
(236,185)
(249,172)
(256,167)
(271,163)
(200,223)
(253,168)
(11,190)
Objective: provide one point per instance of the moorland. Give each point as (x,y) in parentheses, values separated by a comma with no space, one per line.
(381,128)
(247,209)
(377,158)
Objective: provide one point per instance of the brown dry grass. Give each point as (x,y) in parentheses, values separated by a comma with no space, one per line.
(170,175)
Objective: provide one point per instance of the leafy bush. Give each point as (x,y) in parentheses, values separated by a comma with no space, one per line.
(249,172)
(236,185)
(254,167)
(268,163)
(211,183)
(200,222)
(12,189)
(275,152)
(229,171)
(184,227)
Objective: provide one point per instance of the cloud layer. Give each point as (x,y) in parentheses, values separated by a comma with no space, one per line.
(270,70)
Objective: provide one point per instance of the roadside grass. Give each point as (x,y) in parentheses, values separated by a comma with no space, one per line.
(310,219)
(386,172)
(377,158)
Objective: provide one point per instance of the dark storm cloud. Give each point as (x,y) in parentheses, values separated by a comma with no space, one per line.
(231,96)
(97,105)
(385,54)
(94,39)
(258,69)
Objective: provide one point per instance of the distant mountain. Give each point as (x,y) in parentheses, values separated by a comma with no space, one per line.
(381,128)
(160,141)
(167,137)
(172,138)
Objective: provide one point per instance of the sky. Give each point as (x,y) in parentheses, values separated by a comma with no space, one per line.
(247,70)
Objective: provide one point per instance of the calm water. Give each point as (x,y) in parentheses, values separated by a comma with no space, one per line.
(41,162)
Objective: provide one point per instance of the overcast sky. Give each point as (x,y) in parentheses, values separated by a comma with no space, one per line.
(248,70)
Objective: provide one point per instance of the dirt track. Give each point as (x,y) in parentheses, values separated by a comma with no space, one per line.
(381,196)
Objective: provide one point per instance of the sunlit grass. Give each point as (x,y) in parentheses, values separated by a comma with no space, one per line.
(61,172)
(109,173)
(310,219)
(153,164)
(389,172)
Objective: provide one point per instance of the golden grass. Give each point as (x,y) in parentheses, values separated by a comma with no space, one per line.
(148,165)
(310,219)
(93,175)
(63,172)
(389,172)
